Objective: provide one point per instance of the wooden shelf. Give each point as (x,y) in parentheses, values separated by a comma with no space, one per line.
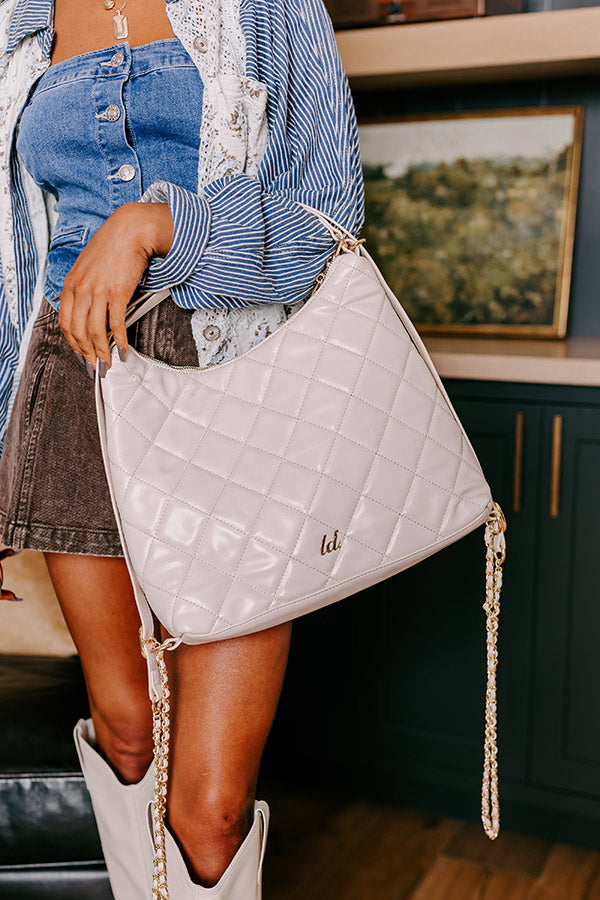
(530,45)
(571,361)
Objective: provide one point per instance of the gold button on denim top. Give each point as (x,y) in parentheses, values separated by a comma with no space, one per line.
(100,128)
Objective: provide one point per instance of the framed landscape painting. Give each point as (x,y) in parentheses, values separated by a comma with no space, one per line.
(471,217)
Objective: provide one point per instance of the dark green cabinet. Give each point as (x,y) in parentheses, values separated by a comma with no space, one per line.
(566,742)
(386,690)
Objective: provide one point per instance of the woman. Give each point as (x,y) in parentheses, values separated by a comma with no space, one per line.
(152,145)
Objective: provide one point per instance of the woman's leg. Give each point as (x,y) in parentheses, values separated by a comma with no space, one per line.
(97,601)
(96,597)
(224,697)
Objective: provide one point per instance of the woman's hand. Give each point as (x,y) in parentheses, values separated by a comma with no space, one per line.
(98,288)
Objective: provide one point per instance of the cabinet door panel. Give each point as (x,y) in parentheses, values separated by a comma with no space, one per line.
(567,685)
(431,662)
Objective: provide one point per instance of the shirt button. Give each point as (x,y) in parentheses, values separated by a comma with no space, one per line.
(112,113)
(200,44)
(126,172)
(117,59)
(211,332)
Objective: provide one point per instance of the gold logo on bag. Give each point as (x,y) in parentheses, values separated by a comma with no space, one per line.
(330,546)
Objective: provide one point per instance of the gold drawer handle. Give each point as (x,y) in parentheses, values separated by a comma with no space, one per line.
(557,427)
(518,463)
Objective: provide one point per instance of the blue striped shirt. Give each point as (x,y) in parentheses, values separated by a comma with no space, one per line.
(243,240)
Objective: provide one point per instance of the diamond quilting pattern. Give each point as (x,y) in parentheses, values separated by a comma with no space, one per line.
(321,461)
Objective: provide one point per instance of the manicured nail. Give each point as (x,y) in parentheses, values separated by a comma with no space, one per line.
(79,357)
(90,369)
(101,367)
(122,353)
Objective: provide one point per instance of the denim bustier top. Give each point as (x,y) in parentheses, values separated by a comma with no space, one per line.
(99,128)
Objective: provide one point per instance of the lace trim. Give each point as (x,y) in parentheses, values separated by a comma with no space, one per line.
(238,329)
(19,72)
(233,138)
(233,130)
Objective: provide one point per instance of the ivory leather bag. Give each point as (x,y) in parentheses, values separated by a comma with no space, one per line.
(323,460)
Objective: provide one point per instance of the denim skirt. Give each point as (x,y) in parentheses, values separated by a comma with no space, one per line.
(53,490)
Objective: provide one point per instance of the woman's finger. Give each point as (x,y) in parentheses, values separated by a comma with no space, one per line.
(65,317)
(116,317)
(79,325)
(97,327)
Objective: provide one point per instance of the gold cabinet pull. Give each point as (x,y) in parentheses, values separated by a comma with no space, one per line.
(518,463)
(557,427)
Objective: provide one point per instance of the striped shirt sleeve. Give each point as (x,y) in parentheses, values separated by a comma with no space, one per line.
(247,240)
(9,357)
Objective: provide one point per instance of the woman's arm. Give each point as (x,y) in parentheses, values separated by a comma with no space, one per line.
(246,240)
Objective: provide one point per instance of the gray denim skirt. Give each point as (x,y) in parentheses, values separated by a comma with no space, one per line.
(53,490)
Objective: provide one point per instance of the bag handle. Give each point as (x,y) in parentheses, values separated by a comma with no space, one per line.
(143,304)
(334,228)
(139,307)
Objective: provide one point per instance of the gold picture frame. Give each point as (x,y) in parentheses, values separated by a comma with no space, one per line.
(471,216)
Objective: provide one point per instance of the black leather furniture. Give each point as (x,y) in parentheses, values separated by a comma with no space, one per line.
(49,846)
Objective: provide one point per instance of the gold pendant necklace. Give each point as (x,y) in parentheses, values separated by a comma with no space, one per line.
(120,29)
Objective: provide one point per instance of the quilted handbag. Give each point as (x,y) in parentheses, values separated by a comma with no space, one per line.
(323,460)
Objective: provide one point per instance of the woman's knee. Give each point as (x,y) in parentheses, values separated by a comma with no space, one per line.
(210,825)
(212,813)
(124,734)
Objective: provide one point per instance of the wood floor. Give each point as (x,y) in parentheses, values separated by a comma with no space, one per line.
(325,849)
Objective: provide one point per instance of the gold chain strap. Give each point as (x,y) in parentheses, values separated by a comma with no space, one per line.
(160,735)
(344,243)
(495,555)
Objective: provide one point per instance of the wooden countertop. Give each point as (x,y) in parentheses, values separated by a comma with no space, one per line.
(570,361)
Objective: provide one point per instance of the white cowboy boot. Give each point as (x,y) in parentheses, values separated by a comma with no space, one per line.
(121,817)
(242,880)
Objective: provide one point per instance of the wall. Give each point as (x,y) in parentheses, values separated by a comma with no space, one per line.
(36,626)
(584,309)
